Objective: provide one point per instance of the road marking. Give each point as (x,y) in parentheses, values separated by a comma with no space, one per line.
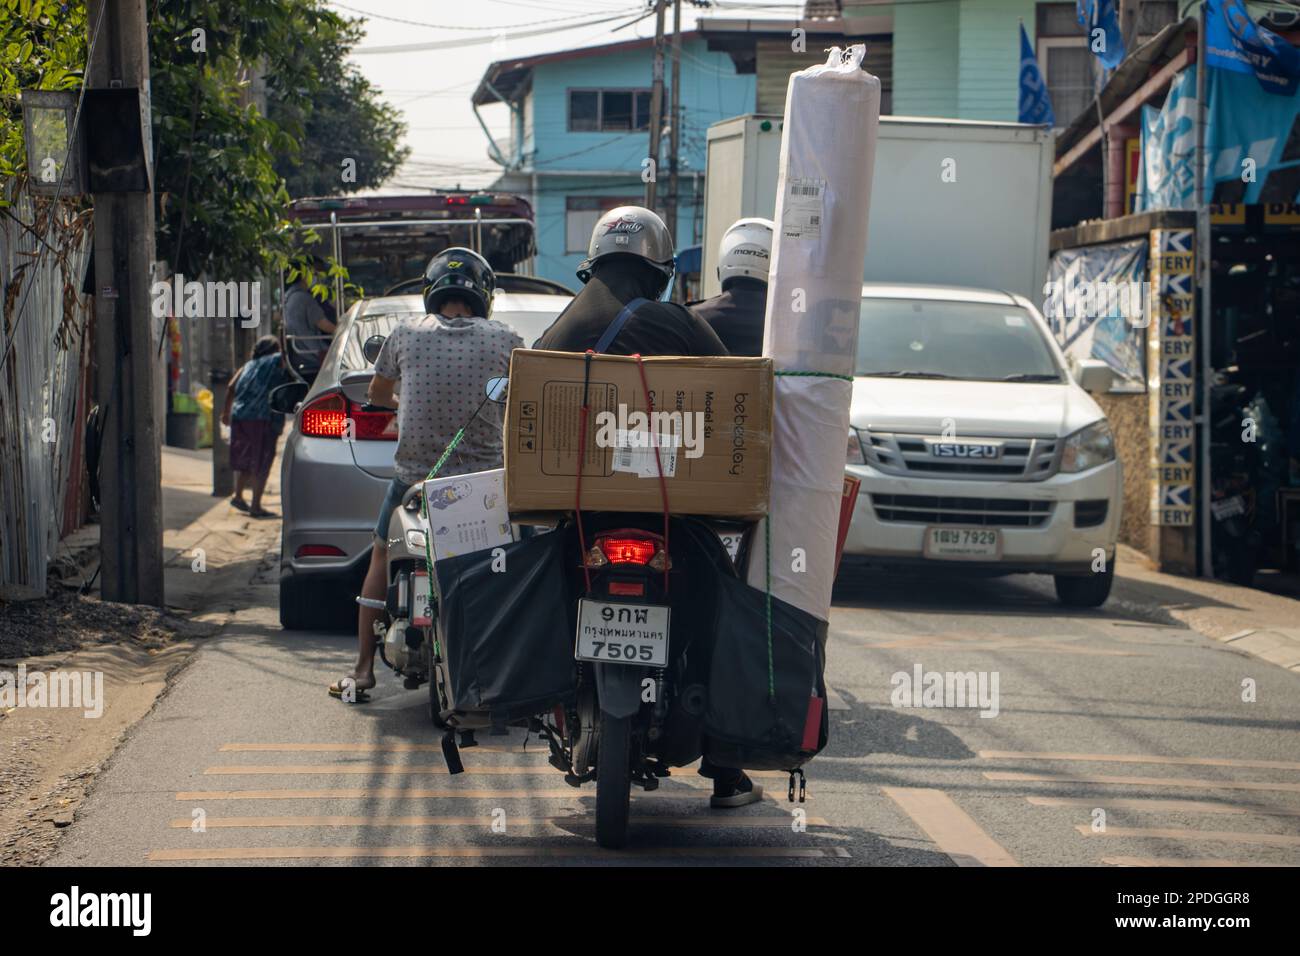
(1169,833)
(1142,758)
(374,748)
(404,770)
(1014,644)
(357,852)
(486,820)
(1175,806)
(1157,861)
(949,826)
(1144,781)
(402,793)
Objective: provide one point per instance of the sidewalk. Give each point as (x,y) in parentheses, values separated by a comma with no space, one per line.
(1256,622)
(219,564)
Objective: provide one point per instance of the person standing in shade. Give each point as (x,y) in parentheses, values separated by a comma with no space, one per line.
(254,426)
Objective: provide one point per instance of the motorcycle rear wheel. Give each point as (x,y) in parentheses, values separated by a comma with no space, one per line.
(613,781)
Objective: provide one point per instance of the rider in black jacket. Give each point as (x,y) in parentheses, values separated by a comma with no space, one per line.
(631,257)
(738,313)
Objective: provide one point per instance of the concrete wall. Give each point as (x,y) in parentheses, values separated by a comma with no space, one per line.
(958,58)
(1128,416)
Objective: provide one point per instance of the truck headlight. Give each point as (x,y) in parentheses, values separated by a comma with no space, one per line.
(855,455)
(415,539)
(1088,447)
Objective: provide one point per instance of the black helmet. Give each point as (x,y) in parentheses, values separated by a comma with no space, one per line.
(459,272)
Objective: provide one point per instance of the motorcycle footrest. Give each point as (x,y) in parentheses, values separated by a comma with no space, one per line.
(451,753)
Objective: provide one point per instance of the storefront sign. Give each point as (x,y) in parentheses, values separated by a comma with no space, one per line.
(1171,350)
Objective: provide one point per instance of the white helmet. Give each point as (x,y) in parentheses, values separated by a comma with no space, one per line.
(745,250)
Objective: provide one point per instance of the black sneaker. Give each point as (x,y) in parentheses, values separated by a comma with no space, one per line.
(735,792)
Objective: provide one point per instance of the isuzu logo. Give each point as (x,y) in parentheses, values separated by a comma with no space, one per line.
(961,449)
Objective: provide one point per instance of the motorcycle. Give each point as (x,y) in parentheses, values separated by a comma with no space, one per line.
(1235,540)
(640,613)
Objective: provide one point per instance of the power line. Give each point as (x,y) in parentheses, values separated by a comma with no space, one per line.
(479,40)
(452,26)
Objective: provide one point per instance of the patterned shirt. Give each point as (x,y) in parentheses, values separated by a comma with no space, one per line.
(252,391)
(444,364)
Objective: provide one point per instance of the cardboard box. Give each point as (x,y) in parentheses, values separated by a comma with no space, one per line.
(467,513)
(712,425)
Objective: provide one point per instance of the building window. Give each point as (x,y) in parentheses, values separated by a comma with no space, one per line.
(581,214)
(1066,61)
(608,111)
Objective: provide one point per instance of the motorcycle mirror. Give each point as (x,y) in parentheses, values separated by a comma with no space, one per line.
(372,346)
(496,389)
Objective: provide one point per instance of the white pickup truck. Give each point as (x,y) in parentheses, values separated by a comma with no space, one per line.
(977,444)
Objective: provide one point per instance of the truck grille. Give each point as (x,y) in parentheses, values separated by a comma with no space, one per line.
(935,509)
(1019,459)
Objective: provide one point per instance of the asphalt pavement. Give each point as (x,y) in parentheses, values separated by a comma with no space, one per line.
(1119,738)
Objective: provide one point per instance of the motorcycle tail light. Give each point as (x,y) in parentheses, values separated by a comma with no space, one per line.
(627,588)
(595,558)
(319,551)
(628,550)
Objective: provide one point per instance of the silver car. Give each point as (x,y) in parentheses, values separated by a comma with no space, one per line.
(331,489)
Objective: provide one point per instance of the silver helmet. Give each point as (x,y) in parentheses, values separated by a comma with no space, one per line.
(630,230)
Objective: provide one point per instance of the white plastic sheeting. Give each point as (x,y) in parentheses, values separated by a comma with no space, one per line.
(828,151)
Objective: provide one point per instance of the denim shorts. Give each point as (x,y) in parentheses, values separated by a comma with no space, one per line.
(396,488)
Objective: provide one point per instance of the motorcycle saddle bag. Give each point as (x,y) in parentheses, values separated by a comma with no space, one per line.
(505,634)
(761,718)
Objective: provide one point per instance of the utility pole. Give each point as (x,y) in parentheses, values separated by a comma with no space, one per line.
(126,342)
(675,121)
(656,107)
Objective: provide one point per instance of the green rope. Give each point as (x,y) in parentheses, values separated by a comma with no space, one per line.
(771,667)
(842,378)
(428,537)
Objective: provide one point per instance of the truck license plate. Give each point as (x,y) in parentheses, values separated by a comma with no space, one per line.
(614,633)
(962,544)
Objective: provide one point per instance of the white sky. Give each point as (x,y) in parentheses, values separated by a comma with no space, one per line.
(432,87)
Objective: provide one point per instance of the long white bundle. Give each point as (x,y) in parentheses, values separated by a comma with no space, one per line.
(828,152)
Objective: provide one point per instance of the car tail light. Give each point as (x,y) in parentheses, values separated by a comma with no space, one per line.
(328,417)
(325,417)
(319,551)
(373,426)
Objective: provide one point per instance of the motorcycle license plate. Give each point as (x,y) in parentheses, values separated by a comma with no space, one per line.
(616,633)
(962,544)
(420,600)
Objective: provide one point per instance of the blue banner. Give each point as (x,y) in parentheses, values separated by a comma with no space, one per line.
(1105,39)
(1035,103)
(1235,42)
(1246,135)
(1167,174)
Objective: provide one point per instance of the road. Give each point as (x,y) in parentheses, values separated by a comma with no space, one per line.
(1117,739)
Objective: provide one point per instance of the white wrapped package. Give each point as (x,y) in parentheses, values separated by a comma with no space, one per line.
(828,152)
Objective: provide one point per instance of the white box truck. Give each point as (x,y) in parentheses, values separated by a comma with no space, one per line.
(975,441)
(962,202)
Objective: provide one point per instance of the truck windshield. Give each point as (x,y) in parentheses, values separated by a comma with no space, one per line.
(932,338)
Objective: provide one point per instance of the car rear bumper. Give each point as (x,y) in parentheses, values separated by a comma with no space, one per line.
(1056,545)
(329,501)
